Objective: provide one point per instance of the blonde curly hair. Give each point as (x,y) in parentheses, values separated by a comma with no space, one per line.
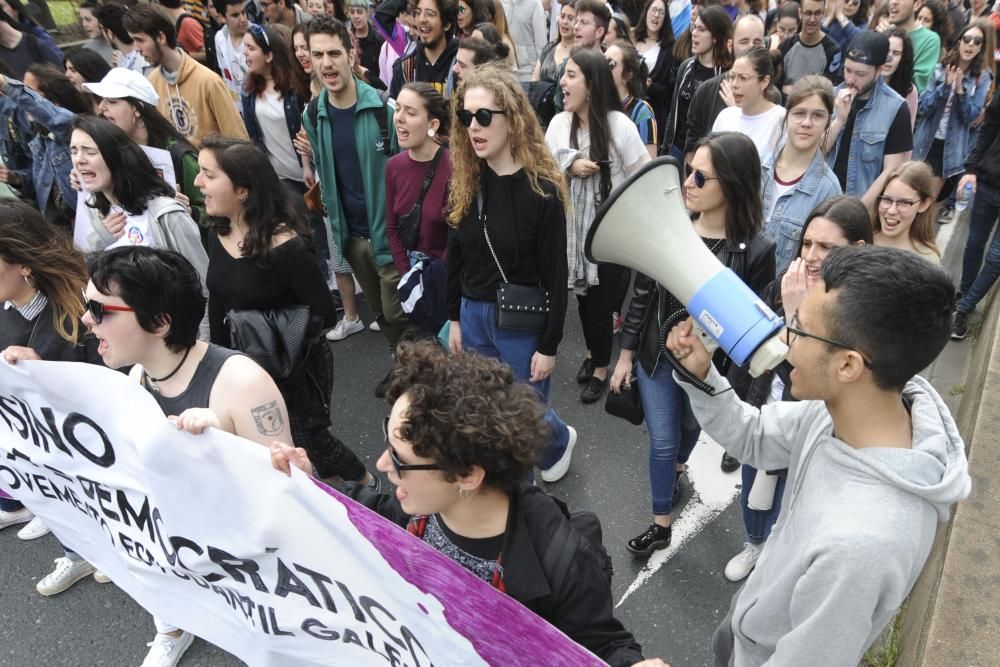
(527,141)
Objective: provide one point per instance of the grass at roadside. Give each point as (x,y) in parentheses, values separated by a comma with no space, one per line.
(887,653)
(63,12)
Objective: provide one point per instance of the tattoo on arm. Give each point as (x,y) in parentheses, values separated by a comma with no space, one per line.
(268,418)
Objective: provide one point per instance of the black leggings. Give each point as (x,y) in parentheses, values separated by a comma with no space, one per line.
(596,308)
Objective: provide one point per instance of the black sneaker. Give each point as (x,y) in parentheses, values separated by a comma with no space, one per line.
(593,390)
(729,464)
(382,386)
(960,326)
(586,371)
(655,537)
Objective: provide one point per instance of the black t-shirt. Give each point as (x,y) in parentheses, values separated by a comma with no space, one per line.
(685,90)
(899,139)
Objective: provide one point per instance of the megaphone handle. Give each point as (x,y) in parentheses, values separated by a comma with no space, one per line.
(710,344)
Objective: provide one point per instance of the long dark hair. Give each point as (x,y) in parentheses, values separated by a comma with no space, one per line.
(288,76)
(666,36)
(860,17)
(267,210)
(480,13)
(984,61)
(603,100)
(737,166)
(902,79)
(160,132)
(56,87)
(940,23)
(134,181)
(91,66)
(435,106)
(848,213)
(720,26)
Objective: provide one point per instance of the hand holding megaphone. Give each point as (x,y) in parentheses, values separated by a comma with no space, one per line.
(685,344)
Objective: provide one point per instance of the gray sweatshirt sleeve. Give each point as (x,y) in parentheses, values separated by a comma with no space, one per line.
(765,438)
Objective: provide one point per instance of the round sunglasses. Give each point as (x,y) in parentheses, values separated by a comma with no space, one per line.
(483,116)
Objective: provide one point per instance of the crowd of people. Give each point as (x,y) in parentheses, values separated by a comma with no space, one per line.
(192,162)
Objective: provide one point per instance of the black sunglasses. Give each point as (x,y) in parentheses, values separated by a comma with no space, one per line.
(793,330)
(483,116)
(699,176)
(972,39)
(399,466)
(98,309)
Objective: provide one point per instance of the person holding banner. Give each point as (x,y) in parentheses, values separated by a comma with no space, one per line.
(144,305)
(41,277)
(461,437)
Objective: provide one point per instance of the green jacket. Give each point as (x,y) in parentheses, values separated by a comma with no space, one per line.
(371,157)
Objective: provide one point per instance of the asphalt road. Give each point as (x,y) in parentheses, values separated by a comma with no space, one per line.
(672,612)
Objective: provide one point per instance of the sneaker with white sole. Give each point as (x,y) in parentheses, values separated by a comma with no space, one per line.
(22,515)
(67,573)
(559,469)
(101,578)
(345,328)
(36,528)
(167,651)
(375,327)
(740,565)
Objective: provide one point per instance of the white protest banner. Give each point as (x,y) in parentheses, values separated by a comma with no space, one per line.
(137,227)
(201,531)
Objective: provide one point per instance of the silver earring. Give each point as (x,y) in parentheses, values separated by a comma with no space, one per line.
(29,281)
(464,493)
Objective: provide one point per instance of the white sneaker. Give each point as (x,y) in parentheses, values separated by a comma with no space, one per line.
(167,651)
(67,573)
(740,565)
(345,328)
(561,467)
(36,528)
(22,515)
(101,578)
(374,326)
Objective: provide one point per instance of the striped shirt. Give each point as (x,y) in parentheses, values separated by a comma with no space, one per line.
(30,310)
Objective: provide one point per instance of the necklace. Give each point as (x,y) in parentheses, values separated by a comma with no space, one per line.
(153,382)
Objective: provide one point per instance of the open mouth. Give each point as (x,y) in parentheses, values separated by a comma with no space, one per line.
(478,144)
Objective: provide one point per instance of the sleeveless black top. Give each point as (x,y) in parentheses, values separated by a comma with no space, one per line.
(200,388)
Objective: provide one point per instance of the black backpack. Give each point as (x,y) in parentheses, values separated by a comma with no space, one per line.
(383,119)
(542,96)
(562,551)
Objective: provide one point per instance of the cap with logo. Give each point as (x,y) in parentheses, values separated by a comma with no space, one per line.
(120,83)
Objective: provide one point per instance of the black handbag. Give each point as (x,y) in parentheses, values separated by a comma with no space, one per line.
(524,307)
(409,223)
(278,340)
(626,404)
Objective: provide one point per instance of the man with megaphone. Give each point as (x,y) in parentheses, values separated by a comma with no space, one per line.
(874,459)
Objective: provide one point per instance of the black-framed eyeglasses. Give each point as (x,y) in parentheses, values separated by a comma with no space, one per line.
(902,205)
(699,176)
(793,330)
(97,309)
(483,116)
(398,465)
(260,32)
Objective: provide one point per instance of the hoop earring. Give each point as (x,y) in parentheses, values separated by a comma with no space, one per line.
(29,281)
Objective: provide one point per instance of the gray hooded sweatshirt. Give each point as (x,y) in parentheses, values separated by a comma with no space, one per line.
(855,529)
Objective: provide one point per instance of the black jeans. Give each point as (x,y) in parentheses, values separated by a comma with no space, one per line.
(596,308)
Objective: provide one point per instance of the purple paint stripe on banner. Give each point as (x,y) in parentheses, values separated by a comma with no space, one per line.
(4,495)
(472,607)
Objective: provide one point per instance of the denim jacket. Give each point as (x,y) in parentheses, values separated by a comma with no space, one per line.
(790,212)
(48,146)
(867,147)
(293,105)
(964,109)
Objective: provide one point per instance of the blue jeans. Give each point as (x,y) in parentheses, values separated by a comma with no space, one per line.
(975,283)
(514,348)
(673,431)
(759,522)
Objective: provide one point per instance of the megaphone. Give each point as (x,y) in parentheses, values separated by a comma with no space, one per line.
(645,226)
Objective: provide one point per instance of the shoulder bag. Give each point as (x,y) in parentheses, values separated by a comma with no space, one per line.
(524,307)
(409,223)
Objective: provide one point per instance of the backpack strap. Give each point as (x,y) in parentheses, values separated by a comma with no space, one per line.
(384,118)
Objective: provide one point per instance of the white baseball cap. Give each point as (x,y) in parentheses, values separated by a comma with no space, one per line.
(120,82)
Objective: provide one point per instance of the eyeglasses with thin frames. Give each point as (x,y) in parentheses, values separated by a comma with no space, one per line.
(902,205)
(398,465)
(794,330)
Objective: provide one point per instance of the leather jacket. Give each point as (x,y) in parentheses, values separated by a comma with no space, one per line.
(651,304)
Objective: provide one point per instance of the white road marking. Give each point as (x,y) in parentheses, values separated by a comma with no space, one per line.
(714,491)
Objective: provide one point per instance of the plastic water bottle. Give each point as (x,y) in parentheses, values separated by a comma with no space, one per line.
(962,200)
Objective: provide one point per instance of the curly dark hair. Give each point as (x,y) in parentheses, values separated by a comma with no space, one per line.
(466,410)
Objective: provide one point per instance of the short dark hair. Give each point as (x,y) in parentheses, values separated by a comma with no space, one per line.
(892,305)
(111,17)
(161,285)
(491,35)
(737,166)
(170,4)
(134,181)
(602,14)
(222,5)
(482,51)
(327,25)
(466,410)
(149,19)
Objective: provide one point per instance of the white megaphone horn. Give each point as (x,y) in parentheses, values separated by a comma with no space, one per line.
(644,225)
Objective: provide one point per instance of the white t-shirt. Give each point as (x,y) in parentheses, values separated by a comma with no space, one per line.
(232,64)
(780,190)
(271,118)
(627,150)
(650,56)
(764,128)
